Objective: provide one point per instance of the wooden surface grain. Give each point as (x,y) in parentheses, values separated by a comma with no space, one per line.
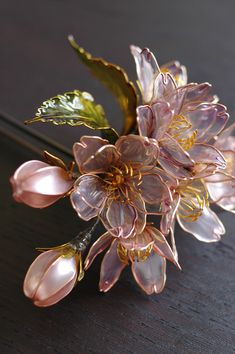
(196,312)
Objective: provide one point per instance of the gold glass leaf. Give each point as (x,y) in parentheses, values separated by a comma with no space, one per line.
(116,80)
(74,108)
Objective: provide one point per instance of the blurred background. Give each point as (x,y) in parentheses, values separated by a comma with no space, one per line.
(37,61)
(195,313)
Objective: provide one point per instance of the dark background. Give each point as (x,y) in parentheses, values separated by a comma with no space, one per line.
(195,313)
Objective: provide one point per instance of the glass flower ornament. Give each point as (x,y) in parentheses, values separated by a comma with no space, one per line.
(221,185)
(146,251)
(118,182)
(172,162)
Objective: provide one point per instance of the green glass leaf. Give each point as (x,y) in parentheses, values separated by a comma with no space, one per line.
(74,108)
(116,80)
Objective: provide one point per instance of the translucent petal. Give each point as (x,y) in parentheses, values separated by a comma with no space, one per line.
(87,147)
(228,203)
(171,149)
(226,140)
(208,119)
(173,244)
(204,170)
(153,190)
(207,228)
(167,219)
(163,86)
(196,94)
(166,178)
(150,274)
(207,154)
(101,161)
(136,149)
(174,170)
(137,201)
(222,191)
(92,189)
(139,242)
(146,121)
(94,154)
(111,268)
(162,247)
(84,211)
(153,121)
(97,247)
(147,68)
(120,218)
(176,99)
(222,187)
(176,70)
(163,116)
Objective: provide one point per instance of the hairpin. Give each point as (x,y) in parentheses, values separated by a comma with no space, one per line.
(171,163)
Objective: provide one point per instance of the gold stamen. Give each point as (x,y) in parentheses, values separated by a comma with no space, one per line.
(194,198)
(135,255)
(178,127)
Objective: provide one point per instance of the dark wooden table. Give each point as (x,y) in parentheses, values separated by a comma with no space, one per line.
(195,313)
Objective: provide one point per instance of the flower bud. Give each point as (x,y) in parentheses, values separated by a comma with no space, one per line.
(52,276)
(39,184)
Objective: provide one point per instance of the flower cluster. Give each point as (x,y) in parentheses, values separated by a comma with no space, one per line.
(173,161)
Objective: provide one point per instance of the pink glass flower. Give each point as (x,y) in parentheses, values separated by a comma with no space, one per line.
(183,119)
(39,185)
(148,69)
(52,276)
(177,71)
(119,183)
(147,252)
(190,207)
(221,185)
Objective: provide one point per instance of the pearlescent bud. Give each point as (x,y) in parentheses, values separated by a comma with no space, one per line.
(51,277)
(39,184)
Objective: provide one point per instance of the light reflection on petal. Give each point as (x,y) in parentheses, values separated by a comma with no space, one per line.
(150,274)
(207,228)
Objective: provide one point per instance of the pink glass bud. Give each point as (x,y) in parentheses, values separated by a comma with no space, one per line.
(39,184)
(51,277)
